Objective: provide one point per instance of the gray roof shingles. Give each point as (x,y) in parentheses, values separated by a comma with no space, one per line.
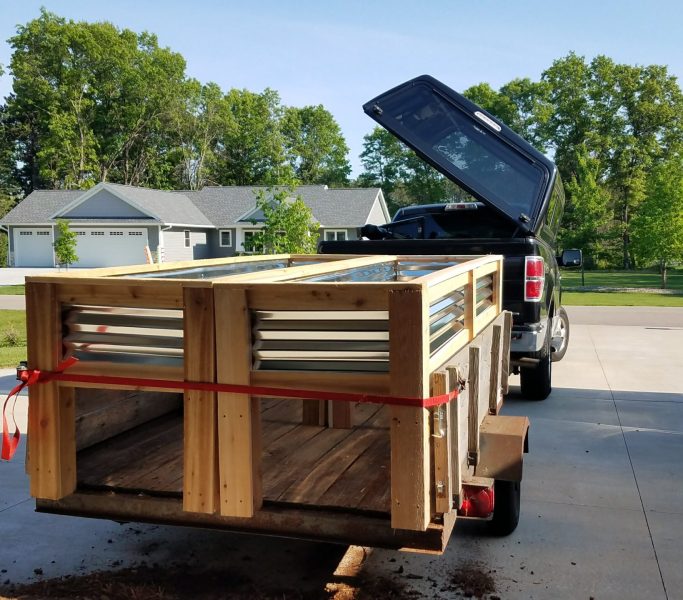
(210,206)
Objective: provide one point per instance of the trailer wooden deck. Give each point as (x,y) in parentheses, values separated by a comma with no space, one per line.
(302,464)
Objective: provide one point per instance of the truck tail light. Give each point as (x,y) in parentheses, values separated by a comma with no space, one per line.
(534,278)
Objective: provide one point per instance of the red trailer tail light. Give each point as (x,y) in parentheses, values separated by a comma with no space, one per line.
(477,502)
(534,278)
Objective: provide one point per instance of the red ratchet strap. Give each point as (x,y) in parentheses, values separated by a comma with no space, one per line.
(9,444)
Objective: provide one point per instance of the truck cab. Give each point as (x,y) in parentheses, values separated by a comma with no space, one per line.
(512,204)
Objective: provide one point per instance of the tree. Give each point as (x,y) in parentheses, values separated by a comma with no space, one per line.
(92,103)
(250,147)
(65,244)
(658,226)
(288,224)
(404,177)
(315,146)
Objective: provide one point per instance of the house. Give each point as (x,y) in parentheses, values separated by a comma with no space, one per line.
(122,225)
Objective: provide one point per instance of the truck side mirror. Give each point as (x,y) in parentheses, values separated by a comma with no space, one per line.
(571,258)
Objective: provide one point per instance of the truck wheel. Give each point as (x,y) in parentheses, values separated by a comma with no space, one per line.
(564,333)
(536,383)
(507,497)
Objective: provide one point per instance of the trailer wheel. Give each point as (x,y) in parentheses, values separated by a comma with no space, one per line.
(536,383)
(507,498)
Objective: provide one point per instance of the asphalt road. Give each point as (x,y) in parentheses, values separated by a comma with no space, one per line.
(602,500)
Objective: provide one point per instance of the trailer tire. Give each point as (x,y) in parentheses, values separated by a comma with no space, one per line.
(536,383)
(507,500)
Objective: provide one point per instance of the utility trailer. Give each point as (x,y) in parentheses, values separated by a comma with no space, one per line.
(336,398)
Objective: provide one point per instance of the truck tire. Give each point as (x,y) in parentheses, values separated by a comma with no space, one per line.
(507,499)
(536,383)
(564,329)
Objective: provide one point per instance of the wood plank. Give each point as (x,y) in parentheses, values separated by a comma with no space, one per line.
(409,356)
(322,296)
(330,466)
(200,450)
(110,292)
(309,270)
(321,381)
(494,376)
(505,367)
(469,318)
(102,414)
(473,407)
(444,288)
(441,444)
(239,420)
(470,264)
(51,419)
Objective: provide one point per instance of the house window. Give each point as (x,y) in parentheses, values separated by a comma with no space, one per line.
(25,233)
(135,233)
(249,243)
(79,232)
(116,233)
(225,238)
(187,238)
(335,235)
(42,233)
(97,233)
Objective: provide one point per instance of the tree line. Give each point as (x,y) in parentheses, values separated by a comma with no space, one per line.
(94,103)
(616,134)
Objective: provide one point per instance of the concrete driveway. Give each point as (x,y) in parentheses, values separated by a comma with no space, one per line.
(602,496)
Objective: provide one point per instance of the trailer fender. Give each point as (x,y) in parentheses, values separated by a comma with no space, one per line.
(502,442)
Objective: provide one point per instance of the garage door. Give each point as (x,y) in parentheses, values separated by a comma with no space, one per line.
(110,247)
(33,247)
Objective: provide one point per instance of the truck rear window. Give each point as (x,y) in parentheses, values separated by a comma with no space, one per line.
(451,137)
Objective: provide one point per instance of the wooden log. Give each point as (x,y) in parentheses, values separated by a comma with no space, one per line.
(200,428)
(473,408)
(409,352)
(239,421)
(495,397)
(441,444)
(51,419)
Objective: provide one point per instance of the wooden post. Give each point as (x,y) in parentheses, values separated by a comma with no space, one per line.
(51,415)
(470,316)
(454,381)
(473,409)
(314,412)
(505,368)
(200,459)
(239,419)
(340,415)
(409,357)
(494,379)
(441,443)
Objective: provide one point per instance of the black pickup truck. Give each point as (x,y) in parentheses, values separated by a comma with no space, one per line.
(512,205)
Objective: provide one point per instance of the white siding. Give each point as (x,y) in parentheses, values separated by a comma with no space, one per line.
(174,245)
(377,216)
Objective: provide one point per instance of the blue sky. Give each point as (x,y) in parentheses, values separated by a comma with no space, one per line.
(341,54)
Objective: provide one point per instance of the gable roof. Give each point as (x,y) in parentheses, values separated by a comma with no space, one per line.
(344,207)
(46,206)
(220,207)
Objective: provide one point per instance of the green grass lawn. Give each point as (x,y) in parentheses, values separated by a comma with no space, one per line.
(624,279)
(10,290)
(619,299)
(12,337)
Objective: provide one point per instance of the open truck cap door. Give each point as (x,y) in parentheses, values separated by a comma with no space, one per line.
(469,146)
